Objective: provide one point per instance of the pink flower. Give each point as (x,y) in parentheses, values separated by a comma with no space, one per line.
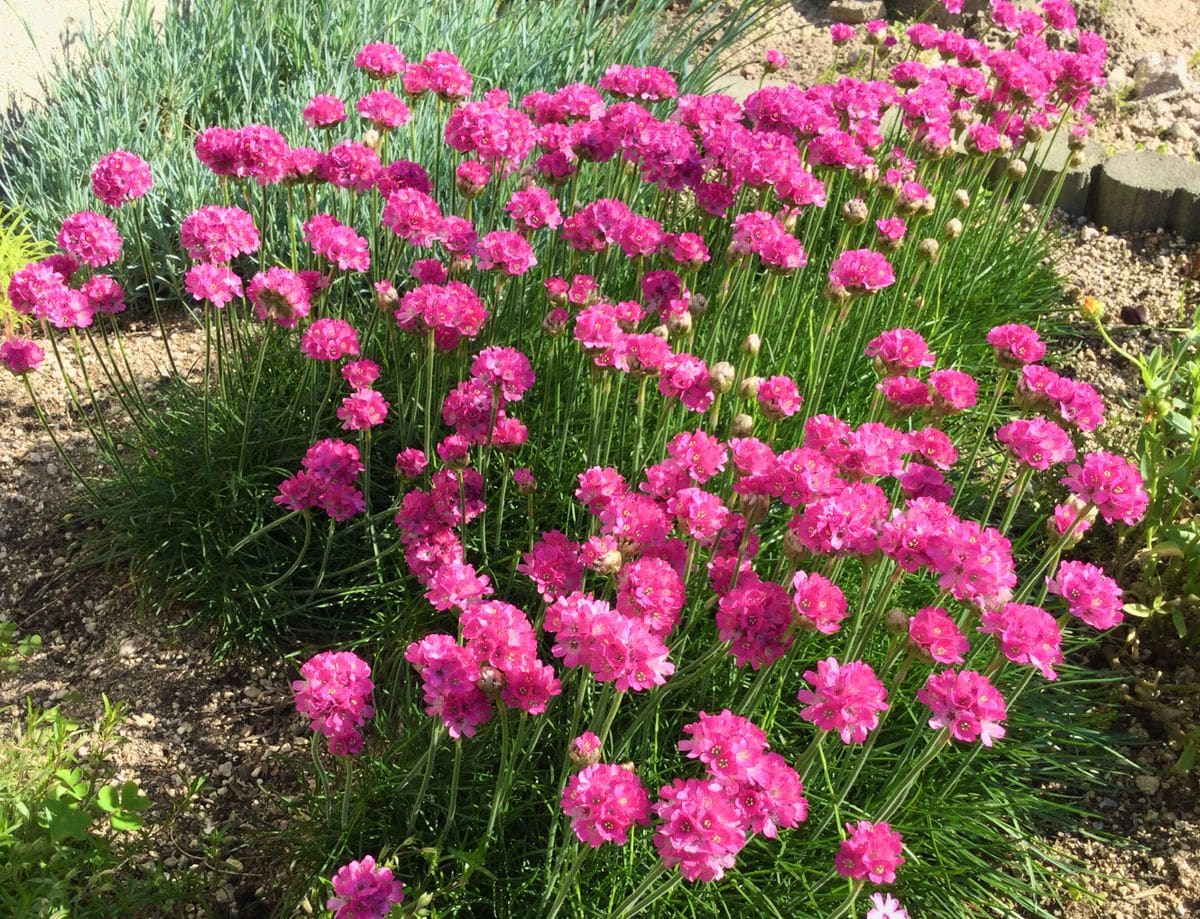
(861,271)
(217,284)
(329,340)
(846,698)
(383,109)
(699,829)
(364,891)
(585,749)
(899,351)
(905,395)
(774,60)
(534,208)
(506,370)
(1077,404)
(841,32)
(936,635)
(218,234)
(1027,635)
(651,84)
(966,703)
(120,177)
(104,294)
(756,618)
(21,355)
(351,165)
(650,590)
(324,112)
(553,564)
(363,409)
(91,238)
(953,391)
(335,694)
(337,243)
(872,852)
(360,374)
(1110,482)
(279,295)
(885,906)
(779,397)
(413,216)
(380,61)
(1037,443)
(604,802)
(1091,595)
(818,602)
(1069,517)
(507,251)
(411,462)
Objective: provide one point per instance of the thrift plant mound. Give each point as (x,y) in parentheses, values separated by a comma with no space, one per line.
(632,428)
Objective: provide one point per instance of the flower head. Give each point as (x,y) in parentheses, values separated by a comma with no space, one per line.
(363,890)
(846,698)
(120,177)
(872,852)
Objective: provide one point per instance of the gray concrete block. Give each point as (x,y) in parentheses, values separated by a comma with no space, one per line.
(1050,158)
(856,12)
(1142,191)
(1185,220)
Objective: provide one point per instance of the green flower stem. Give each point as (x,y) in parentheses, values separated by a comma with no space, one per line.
(139,214)
(70,464)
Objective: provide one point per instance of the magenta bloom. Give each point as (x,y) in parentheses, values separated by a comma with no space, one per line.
(1037,442)
(861,271)
(899,351)
(604,802)
(775,60)
(651,84)
(104,294)
(329,340)
(846,698)
(700,830)
(217,284)
(279,295)
(359,374)
(840,33)
(383,109)
(324,112)
(361,410)
(364,891)
(411,462)
(756,618)
(818,602)
(337,243)
(380,61)
(966,703)
(1016,345)
(120,177)
(91,238)
(1091,595)
(779,397)
(1110,482)
(935,633)
(507,251)
(885,906)
(871,853)
(413,216)
(335,694)
(350,165)
(218,234)
(534,208)
(953,390)
(1027,635)
(21,355)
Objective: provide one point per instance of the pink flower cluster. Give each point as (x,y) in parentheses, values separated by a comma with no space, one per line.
(1090,594)
(335,694)
(120,177)
(965,702)
(326,480)
(90,238)
(337,243)
(450,311)
(41,290)
(846,698)
(21,355)
(871,852)
(1111,483)
(706,822)
(364,890)
(604,802)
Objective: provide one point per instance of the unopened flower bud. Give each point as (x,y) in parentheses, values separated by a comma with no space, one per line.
(490,682)
(609,563)
(743,426)
(961,199)
(962,118)
(1034,132)
(1091,309)
(555,323)
(1075,160)
(754,507)
(866,175)
(855,212)
(1016,170)
(699,304)
(680,324)
(953,228)
(897,622)
(836,294)
(751,345)
(928,250)
(749,388)
(791,220)
(386,297)
(1076,141)
(793,549)
(584,750)
(721,376)
(661,331)
(371,139)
